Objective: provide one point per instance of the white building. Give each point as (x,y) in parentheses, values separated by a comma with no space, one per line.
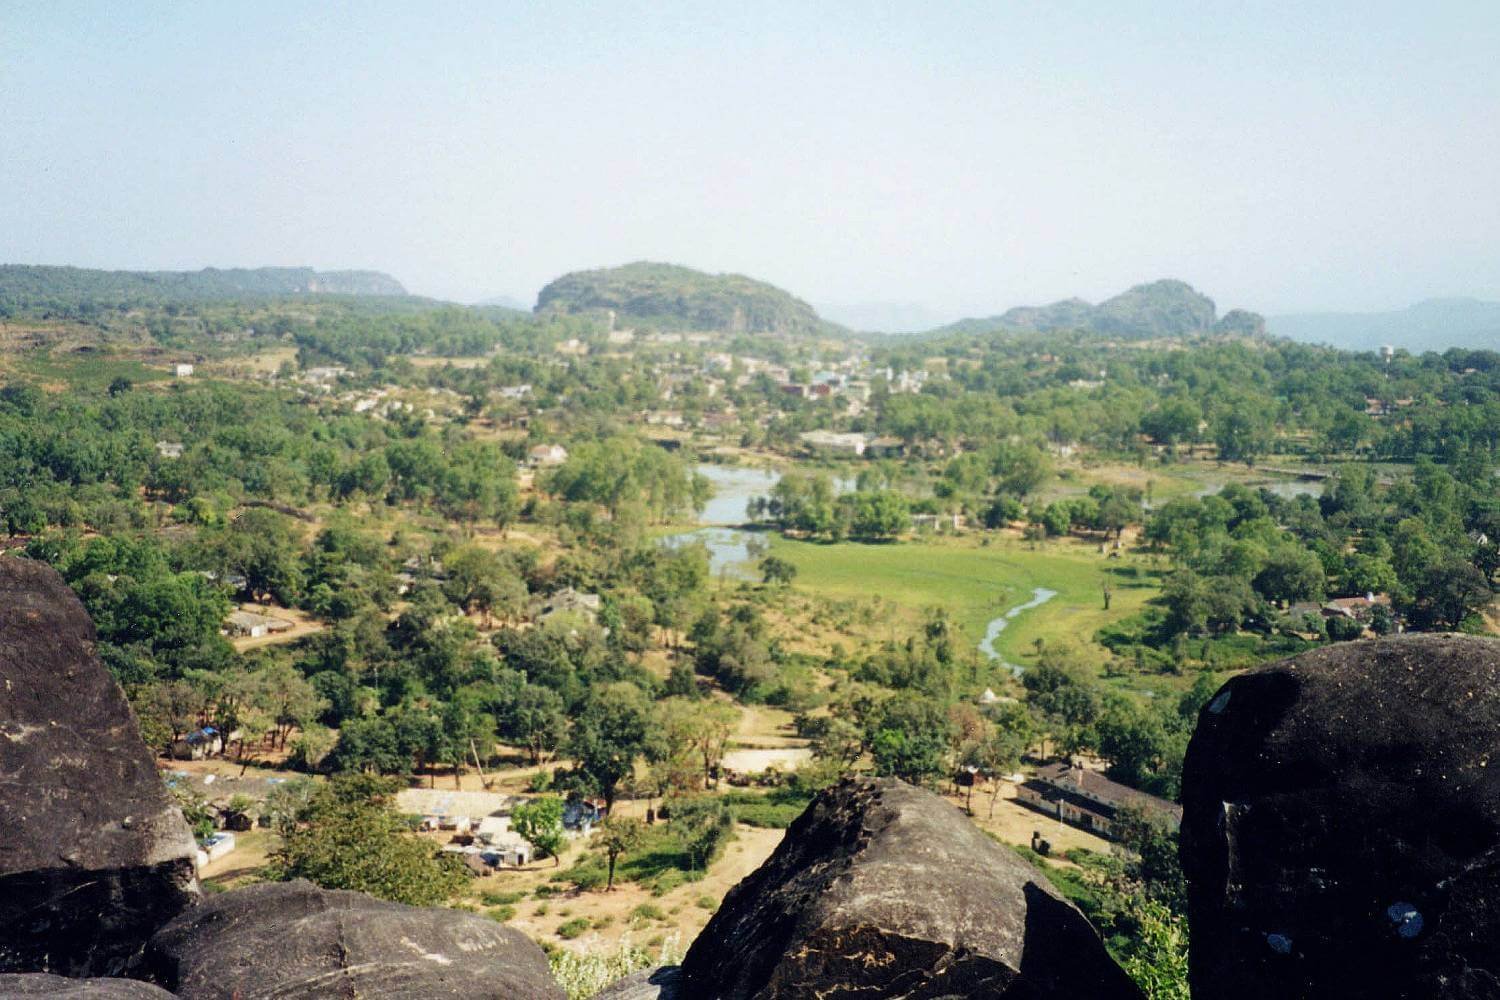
(847,443)
(248,624)
(544,455)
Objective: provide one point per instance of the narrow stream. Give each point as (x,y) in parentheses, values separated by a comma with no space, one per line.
(1039,596)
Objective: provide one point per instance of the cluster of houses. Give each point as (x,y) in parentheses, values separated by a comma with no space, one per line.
(1362,610)
(1087,799)
(481,824)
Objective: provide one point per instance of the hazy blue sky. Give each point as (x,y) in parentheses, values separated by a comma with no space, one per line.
(963,158)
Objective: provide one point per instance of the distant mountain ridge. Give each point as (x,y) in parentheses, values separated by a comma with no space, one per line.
(30,283)
(671,297)
(1165,308)
(1432,325)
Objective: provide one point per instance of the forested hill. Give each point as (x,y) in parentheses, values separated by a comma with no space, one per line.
(25,286)
(669,297)
(1165,308)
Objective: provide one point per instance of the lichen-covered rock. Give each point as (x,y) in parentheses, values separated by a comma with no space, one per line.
(649,984)
(41,984)
(1341,825)
(93,855)
(294,941)
(882,890)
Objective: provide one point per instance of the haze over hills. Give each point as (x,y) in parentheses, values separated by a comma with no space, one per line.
(23,284)
(671,297)
(1165,308)
(1433,325)
(505,302)
(886,317)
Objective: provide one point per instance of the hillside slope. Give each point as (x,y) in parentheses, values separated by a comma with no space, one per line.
(670,297)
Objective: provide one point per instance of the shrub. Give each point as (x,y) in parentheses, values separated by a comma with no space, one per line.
(501,897)
(570,929)
(582,976)
(647,911)
(707,902)
(502,913)
(667,881)
(774,810)
(349,837)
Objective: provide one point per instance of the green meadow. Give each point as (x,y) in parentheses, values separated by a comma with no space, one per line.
(976,582)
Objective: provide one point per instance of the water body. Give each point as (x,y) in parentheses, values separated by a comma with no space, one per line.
(720,519)
(1039,596)
(1287,489)
(734,486)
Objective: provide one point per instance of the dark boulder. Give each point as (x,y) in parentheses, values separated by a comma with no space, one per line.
(40,984)
(650,984)
(292,940)
(880,889)
(94,857)
(1341,827)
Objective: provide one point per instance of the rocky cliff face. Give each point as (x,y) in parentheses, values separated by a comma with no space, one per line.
(884,890)
(1341,829)
(93,855)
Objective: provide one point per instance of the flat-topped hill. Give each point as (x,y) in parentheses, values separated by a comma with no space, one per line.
(24,285)
(670,297)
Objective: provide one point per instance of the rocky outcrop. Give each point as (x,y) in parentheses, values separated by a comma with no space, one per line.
(882,890)
(292,940)
(1341,829)
(1241,323)
(651,984)
(39,984)
(93,855)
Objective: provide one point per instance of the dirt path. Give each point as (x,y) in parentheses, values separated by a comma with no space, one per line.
(613,916)
(302,625)
(1013,823)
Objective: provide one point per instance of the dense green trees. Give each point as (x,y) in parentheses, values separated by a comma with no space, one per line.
(348,836)
(540,823)
(609,736)
(613,472)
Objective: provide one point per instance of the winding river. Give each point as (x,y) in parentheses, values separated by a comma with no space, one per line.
(1039,596)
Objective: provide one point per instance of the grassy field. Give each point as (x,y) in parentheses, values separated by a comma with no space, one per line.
(975,582)
(94,372)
